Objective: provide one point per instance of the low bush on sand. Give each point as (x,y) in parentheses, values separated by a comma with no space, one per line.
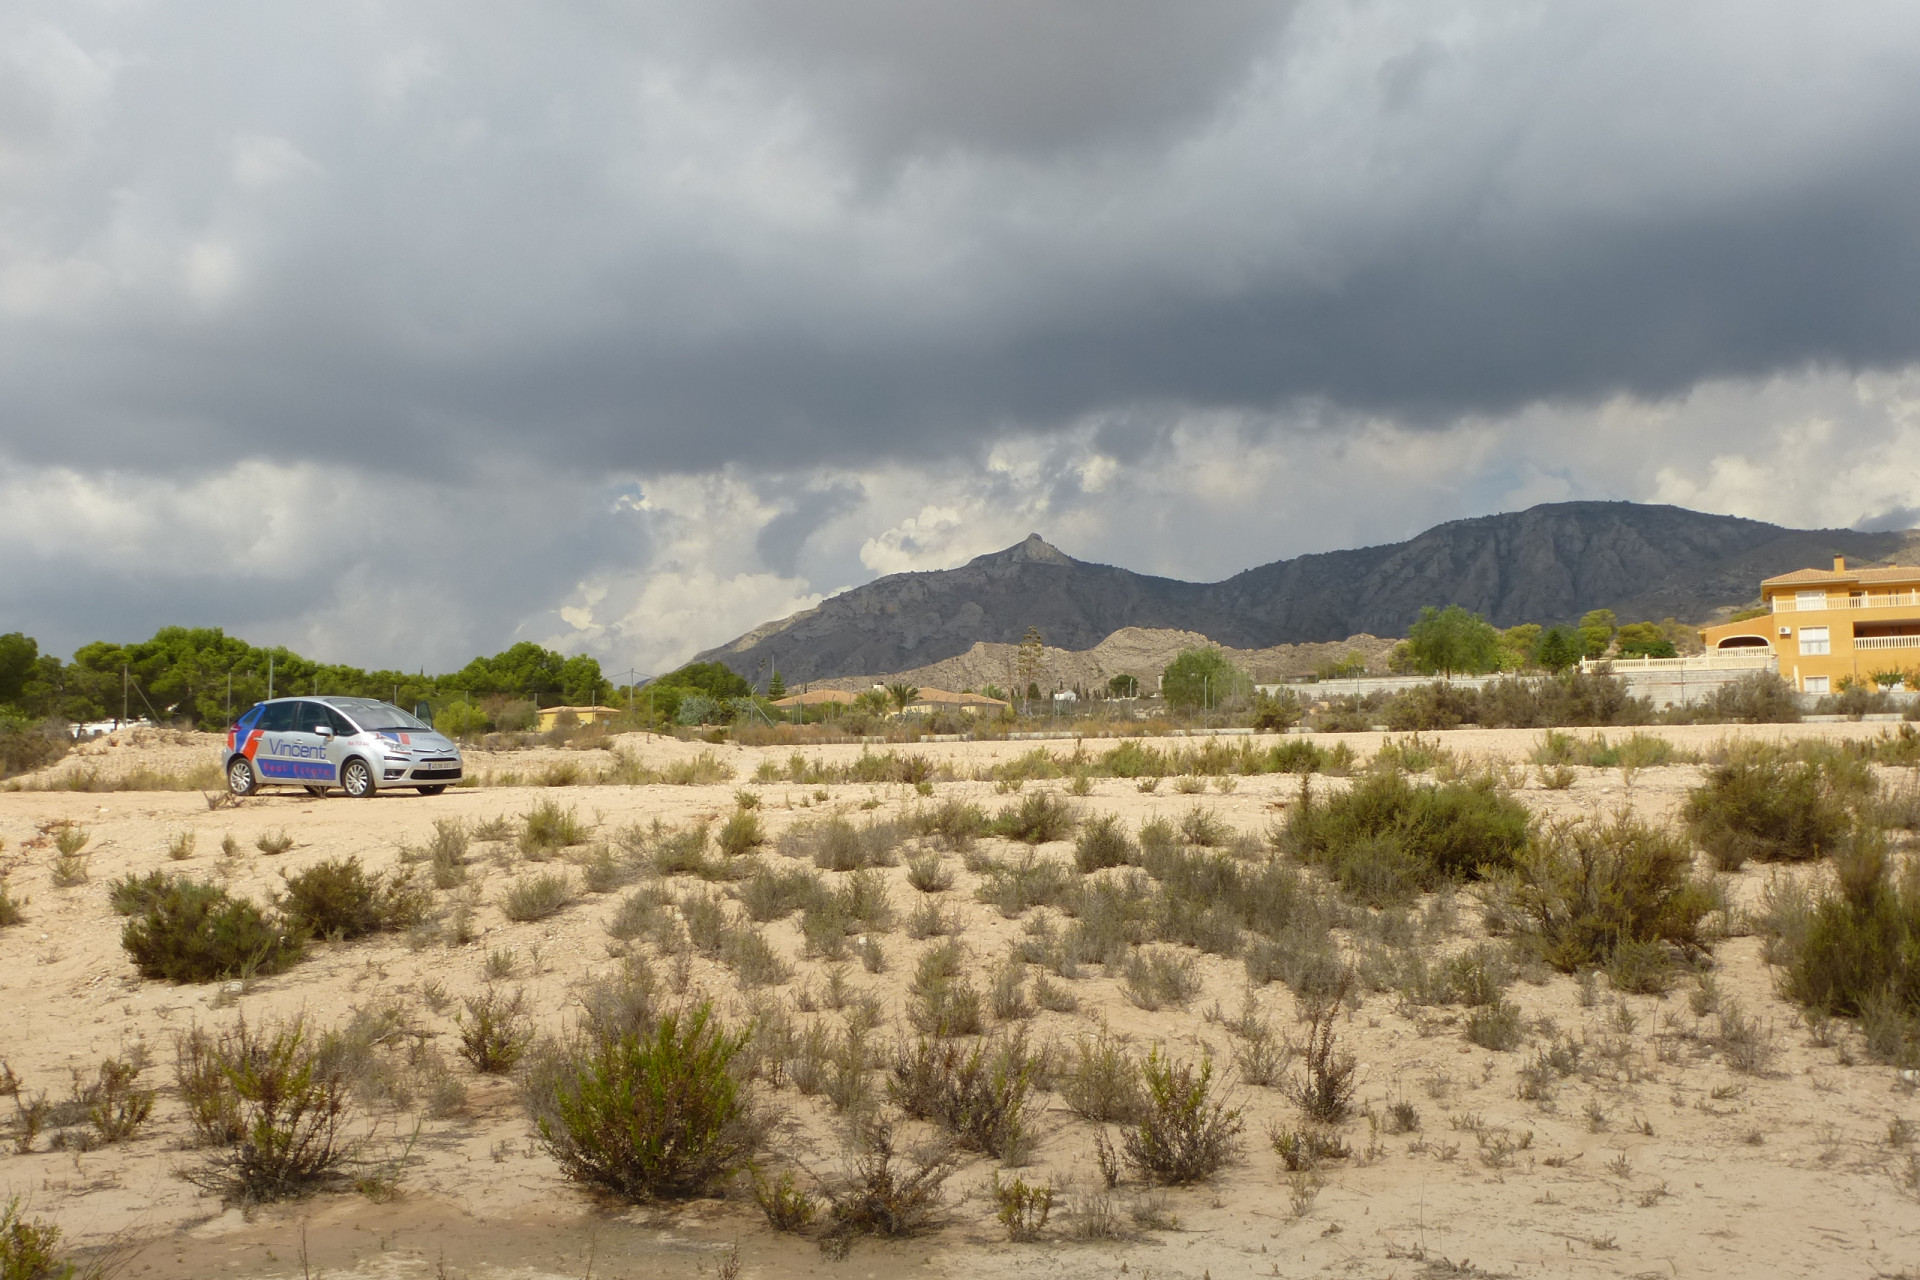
(195,932)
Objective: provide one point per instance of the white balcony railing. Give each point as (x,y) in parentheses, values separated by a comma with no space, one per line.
(1865,600)
(1886,642)
(1754,658)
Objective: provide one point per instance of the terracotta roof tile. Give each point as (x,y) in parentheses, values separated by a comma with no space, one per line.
(1815,577)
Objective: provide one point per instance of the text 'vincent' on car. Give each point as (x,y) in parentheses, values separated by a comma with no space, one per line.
(360,745)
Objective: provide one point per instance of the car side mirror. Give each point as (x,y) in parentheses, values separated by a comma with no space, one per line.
(324,730)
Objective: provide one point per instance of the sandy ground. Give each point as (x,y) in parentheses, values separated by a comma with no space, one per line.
(1685,1167)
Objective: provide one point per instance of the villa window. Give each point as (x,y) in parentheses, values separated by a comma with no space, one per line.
(1809,600)
(1817,684)
(1813,642)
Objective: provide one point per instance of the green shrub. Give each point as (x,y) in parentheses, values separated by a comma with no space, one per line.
(337,898)
(130,894)
(741,832)
(1184,1133)
(30,1248)
(193,932)
(1040,816)
(1762,806)
(283,1105)
(1385,837)
(1325,1087)
(1584,889)
(494,1031)
(1854,949)
(537,897)
(1103,842)
(11,908)
(649,1115)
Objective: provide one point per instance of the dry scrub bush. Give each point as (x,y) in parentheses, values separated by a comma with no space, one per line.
(741,833)
(1160,976)
(537,897)
(929,873)
(1184,1133)
(272,1109)
(12,909)
(648,1114)
(1103,842)
(494,1031)
(978,1094)
(954,821)
(1325,1087)
(1102,1081)
(547,827)
(193,932)
(836,844)
(1041,816)
(1583,892)
(338,899)
(1760,805)
(883,1194)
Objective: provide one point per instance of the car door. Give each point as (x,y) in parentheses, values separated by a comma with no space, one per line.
(307,745)
(273,756)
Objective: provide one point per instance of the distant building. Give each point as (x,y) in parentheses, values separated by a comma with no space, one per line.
(549,716)
(1822,625)
(926,702)
(972,704)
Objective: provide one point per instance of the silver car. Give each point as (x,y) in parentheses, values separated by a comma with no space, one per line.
(360,745)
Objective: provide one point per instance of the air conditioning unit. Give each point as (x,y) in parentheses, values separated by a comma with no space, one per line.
(1785,632)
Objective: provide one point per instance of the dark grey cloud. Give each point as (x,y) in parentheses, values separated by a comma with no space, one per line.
(411,237)
(499,259)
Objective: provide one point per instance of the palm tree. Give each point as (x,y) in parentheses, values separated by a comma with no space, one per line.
(902,693)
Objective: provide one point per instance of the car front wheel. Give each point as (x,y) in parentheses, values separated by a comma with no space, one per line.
(240,777)
(356,778)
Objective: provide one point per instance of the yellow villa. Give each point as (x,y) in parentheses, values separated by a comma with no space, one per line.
(1825,625)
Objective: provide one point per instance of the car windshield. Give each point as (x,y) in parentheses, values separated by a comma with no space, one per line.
(374,716)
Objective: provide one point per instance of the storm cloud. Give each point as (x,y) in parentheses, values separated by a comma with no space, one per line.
(872,283)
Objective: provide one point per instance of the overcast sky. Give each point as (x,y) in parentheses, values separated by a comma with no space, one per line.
(399,332)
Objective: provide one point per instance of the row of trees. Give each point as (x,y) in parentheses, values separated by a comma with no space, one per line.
(204,676)
(1452,641)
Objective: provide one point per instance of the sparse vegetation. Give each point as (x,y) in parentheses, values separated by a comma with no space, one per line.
(494,1030)
(536,897)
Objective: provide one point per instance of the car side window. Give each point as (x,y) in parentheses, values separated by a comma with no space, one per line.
(277,718)
(310,717)
(252,717)
(341,725)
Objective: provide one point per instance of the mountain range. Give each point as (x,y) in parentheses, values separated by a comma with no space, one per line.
(1548,564)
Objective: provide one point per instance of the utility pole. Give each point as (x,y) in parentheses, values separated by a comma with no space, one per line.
(269,677)
(124,681)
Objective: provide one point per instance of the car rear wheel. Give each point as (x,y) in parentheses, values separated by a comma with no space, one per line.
(241,779)
(356,778)
(431,791)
